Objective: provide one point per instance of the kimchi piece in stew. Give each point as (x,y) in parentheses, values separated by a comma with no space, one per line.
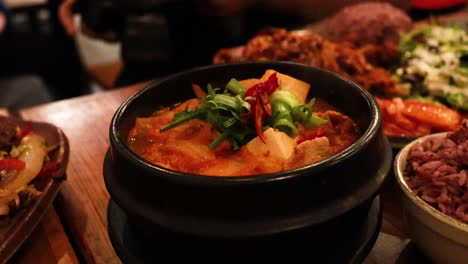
(249,127)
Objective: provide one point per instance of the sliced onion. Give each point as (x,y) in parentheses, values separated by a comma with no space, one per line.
(33,156)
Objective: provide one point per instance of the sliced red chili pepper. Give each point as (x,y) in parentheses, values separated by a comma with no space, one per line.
(265,102)
(268,87)
(26,130)
(12,164)
(259,104)
(319,132)
(48,170)
(259,113)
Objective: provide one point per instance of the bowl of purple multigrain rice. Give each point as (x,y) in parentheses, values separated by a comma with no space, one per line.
(432,173)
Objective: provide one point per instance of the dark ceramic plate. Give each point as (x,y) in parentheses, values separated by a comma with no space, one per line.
(133,247)
(15,229)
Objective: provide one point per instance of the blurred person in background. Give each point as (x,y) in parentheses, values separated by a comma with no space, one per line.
(39,63)
(20,91)
(160,37)
(2,16)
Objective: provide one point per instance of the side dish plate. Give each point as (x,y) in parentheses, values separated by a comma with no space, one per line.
(14,230)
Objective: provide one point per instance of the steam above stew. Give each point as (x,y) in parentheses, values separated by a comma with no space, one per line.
(248,127)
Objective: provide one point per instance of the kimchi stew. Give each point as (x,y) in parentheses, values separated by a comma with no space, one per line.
(249,127)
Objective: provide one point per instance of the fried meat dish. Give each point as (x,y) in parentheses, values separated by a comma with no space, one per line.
(362,65)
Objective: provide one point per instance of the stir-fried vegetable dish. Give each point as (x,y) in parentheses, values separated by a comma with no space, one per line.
(23,158)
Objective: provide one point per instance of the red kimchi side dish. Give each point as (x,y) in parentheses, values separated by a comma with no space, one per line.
(416,118)
(437,172)
(248,127)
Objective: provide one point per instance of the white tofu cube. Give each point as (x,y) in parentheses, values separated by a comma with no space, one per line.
(277,145)
(297,87)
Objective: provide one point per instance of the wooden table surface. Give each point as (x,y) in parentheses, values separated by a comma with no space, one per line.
(81,205)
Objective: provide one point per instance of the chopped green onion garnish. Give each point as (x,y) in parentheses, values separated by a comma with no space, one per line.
(236,87)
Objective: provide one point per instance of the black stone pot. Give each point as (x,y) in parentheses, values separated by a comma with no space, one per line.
(323,197)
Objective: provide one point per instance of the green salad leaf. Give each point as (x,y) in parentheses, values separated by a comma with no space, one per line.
(458,100)
(435,63)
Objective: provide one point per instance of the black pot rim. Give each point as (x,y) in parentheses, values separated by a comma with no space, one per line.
(213,181)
